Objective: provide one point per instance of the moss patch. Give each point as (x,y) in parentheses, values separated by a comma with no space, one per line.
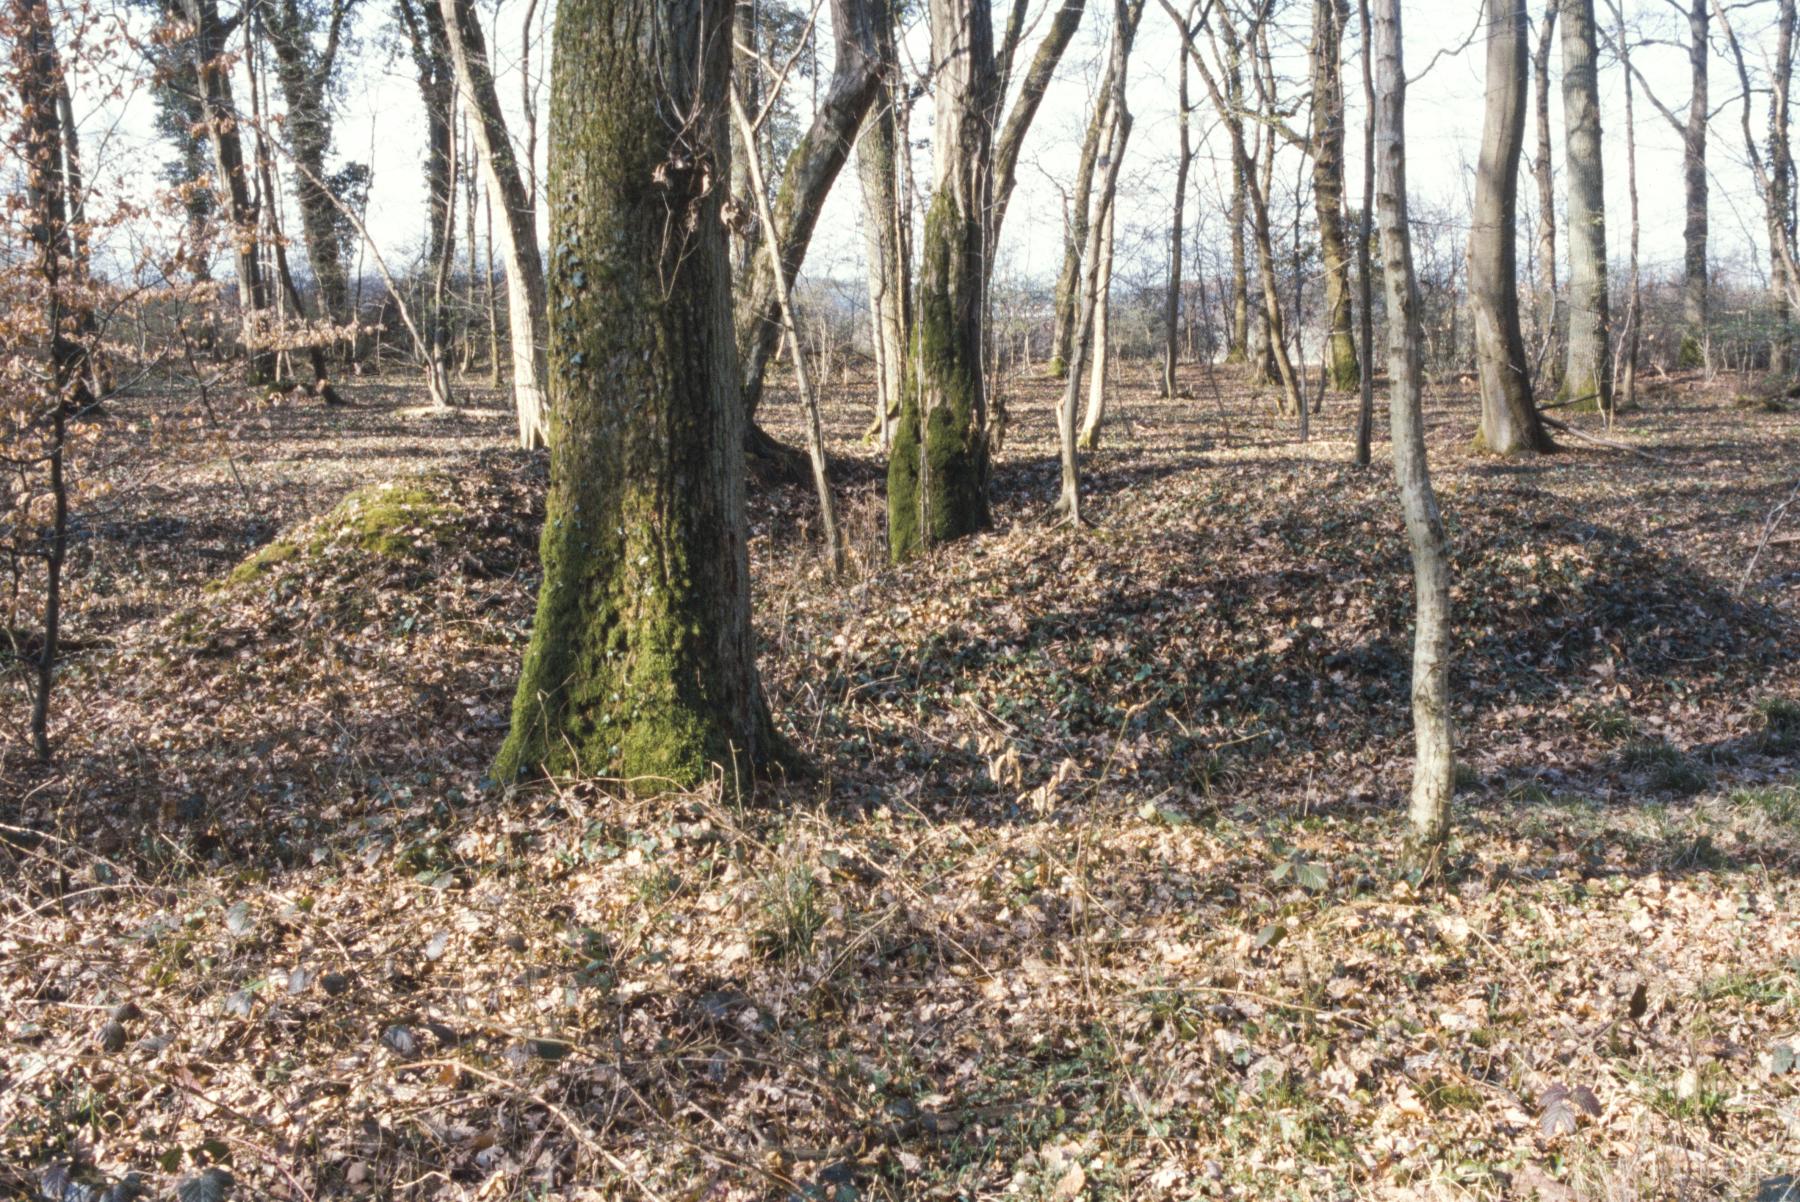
(394,521)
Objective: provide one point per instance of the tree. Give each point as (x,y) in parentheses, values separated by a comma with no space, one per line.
(641,658)
(1509,417)
(887,222)
(1365,269)
(1183,162)
(1429,812)
(207,37)
(938,472)
(1543,174)
(306,72)
(1778,203)
(1329,17)
(525,296)
(1691,128)
(806,181)
(1587,377)
(1076,205)
(1628,354)
(1031,94)
(429,42)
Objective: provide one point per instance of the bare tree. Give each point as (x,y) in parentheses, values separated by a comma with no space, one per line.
(881,166)
(1509,417)
(1183,163)
(1690,126)
(1329,18)
(1543,174)
(1587,378)
(1433,774)
(525,291)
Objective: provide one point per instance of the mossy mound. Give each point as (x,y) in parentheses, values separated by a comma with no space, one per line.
(400,521)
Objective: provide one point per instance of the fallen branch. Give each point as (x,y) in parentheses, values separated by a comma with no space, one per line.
(1566,428)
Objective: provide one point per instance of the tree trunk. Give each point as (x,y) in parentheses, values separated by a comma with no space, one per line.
(1095,416)
(1329,17)
(207,38)
(1365,269)
(806,180)
(886,226)
(1183,163)
(1587,378)
(938,473)
(1695,347)
(1075,232)
(1779,202)
(641,661)
(1433,767)
(1031,94)
(1509,417)
(306,75)
(1628,355)
(1086,333)
(429,41)
(525,294)
(1543,173)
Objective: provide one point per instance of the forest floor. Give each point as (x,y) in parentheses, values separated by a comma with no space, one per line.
(1091,891)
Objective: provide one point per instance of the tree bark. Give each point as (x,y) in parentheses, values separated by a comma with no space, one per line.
(1365,269)
(1587,377)
(1509,417)
(429,41)
(1098,361)
(806,180)
(1075,232)
(641,660)
(207,40)
(887,225)
(1695,347)
(1329,17)
(1428,817)
(305,73)
(1779,203)
(1543,173)
(938,473)
(1183,163)
(1031,94)
(525,289)
(1628,355)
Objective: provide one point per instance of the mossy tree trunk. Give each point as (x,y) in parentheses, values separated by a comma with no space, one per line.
(641,660)
(1433,766)
(525,290)
(1329,17)
(938,472)
(1509,418)
(1587,376)
(429,43)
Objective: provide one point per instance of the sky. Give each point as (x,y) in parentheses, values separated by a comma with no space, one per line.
(379,120)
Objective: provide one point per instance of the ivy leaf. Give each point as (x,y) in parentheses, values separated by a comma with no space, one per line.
(211,1185)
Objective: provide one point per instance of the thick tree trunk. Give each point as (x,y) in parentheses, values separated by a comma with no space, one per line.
(1433,767)
(1509,417)
(525,290)
(806,180)
(886,227)
(1329,17)
(232,177)
(938,473)
(1587,378)
(641,661)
